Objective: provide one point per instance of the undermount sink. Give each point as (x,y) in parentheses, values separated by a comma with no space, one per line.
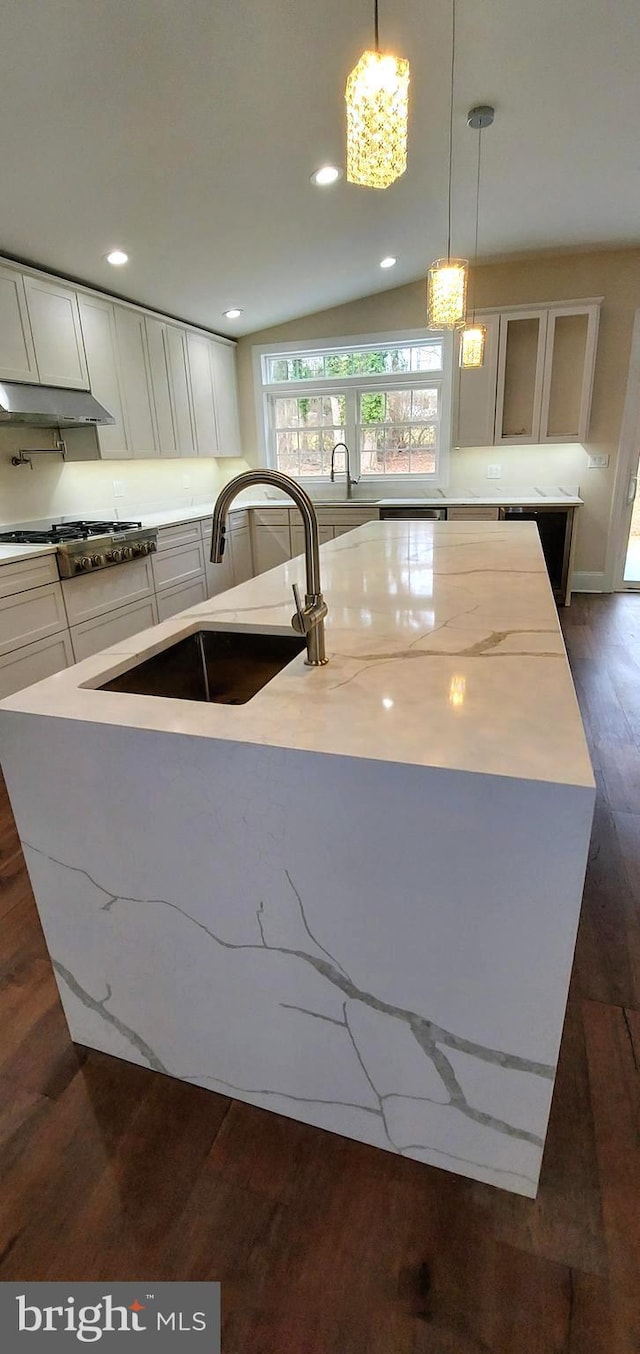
(221,666)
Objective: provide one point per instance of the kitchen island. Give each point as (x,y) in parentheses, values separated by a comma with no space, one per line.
(352,900)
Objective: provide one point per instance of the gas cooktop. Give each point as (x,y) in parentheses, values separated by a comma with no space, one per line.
(67,531)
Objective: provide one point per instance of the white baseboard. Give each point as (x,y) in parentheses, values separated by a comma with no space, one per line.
(585,581)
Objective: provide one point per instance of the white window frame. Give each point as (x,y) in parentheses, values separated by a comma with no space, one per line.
(371,485)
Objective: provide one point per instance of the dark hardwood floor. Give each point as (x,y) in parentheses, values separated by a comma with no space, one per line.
(109,1171)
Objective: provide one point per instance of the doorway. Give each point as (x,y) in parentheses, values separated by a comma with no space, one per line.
(631,572)
(624,536)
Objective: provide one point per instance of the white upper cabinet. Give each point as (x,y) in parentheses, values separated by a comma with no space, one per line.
(57,334)
(101,348)
(17,353)
(159,369)
(475,389)
(178,364)
(203,394)
(546,364)
(225,384)
(135,382)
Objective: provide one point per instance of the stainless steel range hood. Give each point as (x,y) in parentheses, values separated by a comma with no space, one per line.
(49,406)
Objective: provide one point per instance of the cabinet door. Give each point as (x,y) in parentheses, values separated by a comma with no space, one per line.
(271,546)
(297,538)
(520,372)
(91,595)
(34,662)
(99,333)
(178,365)
(223,359)
(220,577)
(178,599)
(476,392)
(158,364)
(171,567)
(17,353)
(568,373)
(242,558)
(203,394)
(27,616)
(135,382)
(57,333)
(100,633)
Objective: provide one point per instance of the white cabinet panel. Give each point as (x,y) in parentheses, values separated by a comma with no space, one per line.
(223,359)
(476,392)
(34,662)
(90,594)
(178,365)
(176,566)
(271,546)
(57,333)
(17,353)
(135,381)
(297,538)
(158,366)
(178,599)
(220,577)
(31,615)
(102,631)
(100,342)
(567,386)
(203,394)
(241,555)
(183,533)
(482,514)
(31,572)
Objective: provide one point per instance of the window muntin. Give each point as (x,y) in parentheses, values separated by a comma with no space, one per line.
(306,427)
(337,364)
(398,431)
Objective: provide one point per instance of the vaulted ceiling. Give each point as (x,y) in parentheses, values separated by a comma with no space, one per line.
(185,131)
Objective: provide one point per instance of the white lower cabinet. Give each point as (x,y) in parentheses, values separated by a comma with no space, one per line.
(91,595)
(184,562)
(241,555)
(178,599)
(271,539)
(483,514)
(297,538)
(102,631)
(31,615)
(34,662)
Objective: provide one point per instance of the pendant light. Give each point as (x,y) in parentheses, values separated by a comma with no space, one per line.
(377,96)
(447,278)
(474,336)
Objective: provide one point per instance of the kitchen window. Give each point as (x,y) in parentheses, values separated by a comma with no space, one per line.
(389,399)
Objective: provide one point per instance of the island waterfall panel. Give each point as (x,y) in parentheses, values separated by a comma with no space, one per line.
(378,947)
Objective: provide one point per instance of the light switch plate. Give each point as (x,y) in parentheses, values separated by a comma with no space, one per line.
(598,462)
(118,488)
(494,472)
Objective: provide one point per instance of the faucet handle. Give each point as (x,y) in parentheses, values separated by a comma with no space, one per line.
(298,620)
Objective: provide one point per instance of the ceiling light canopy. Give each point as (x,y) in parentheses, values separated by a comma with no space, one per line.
(233,314)
(325,175)
(388,262)
(377,98)
(117,257)
(447,278)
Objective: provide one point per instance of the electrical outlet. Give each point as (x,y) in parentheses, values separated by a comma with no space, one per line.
(118,488)
(599,462)
(494,472)
(186,481)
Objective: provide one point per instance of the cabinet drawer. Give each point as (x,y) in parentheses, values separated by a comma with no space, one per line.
(184,533)
(347,518)
(34,662)
(482,514)
(178,565)
(271,517)
(27,573)
(102,631)
(31,615)
(178,599)
(93,594)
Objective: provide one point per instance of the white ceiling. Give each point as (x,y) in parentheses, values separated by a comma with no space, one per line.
(185,131)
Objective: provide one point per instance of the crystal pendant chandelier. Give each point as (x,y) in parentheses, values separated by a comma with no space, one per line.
(474,336)
(377,98)
(447,278)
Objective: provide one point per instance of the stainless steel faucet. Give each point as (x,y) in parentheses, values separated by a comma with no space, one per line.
(307,620)
(350,482)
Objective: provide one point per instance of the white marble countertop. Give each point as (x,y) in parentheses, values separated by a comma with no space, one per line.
(445,650)
(10,554)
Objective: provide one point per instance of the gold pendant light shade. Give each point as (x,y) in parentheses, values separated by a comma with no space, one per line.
(377,98)
(447,293)
(472,344)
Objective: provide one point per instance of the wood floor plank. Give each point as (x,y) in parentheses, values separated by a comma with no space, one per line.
(612,1039)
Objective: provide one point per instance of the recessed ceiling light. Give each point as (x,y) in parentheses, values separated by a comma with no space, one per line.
(327,174)
(388,262)
(232,314)
(117,257)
